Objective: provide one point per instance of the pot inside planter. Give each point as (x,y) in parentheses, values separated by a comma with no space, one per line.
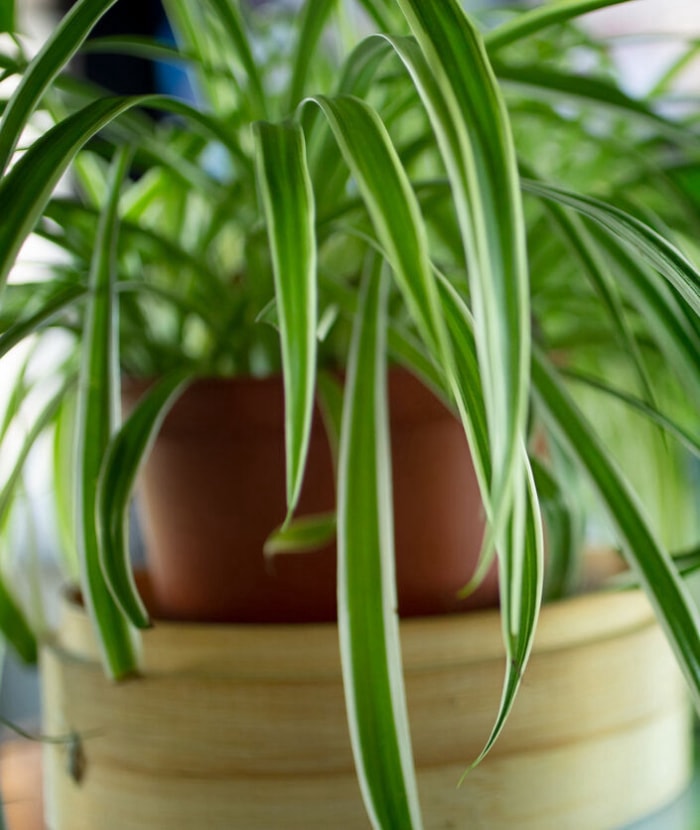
(213,490)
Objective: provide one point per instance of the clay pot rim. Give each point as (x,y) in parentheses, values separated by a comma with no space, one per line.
(574,621)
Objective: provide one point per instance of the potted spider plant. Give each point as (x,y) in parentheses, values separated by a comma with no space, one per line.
(381,215)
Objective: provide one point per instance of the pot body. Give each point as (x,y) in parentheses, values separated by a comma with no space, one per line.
(244,726)
(213,490)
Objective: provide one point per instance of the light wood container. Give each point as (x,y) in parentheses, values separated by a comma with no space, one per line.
(244,726)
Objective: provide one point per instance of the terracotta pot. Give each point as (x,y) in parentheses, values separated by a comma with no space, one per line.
(214,488)
(244,726)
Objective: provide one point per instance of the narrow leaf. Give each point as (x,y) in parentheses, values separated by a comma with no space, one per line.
(60,297)
(470,122)
(301,535)
(63,43)
(289,212)
(7,15)
(95,421)
(367,620)
(644,240)
(229,14)
(27,188)
(125,454)
(14,627)
(652,565)
(534,20)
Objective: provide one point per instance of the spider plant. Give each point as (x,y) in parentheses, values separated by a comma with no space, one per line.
(407,195)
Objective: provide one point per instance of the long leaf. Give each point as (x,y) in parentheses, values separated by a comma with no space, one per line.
(7,15)
(63,43)
(14,627)
(392,205)
(289,211)
(367,621)
(594,266)
(649,561)
(521,555)
(95,421)
(536,19)
(644,240)
(26,189)
(690,441)
(61,297)
(312,18)
(471,125)
(124,456)
(229,14)
(661,309)
(570,87)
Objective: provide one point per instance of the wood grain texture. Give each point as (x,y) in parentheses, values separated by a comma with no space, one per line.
(244,726)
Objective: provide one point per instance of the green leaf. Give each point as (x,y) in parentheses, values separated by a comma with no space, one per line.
(392,205)
(312,18)
(27,188)
(123,458)
(59,297)
(660,307)
(302,534)
(470,122)
(367,620)
(534,20)
(652,565)
(564,520)
(14,627)
(570,87)
(41,423)
(60,47)
(95,422)
(289,212)
(639,237)
(7,15)
(520,551)
(595,268)
(520,575)
(229,14)
(690,441)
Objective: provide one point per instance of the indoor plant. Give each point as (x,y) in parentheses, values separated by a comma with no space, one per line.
(485,374)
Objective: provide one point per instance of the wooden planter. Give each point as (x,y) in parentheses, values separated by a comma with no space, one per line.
(244,726)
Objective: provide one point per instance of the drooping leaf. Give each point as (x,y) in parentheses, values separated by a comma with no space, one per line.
(367,619)
(27,188)
(658,252)
(15,628)
(126,452)
(690,441)
(301,535)
(469,119)
(534,20)
(7,15)
(96,418)
(289,212)
(651,564)
(59,297)
(58,49)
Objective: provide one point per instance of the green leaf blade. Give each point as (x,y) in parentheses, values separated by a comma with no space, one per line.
(65,41)
(652,565)
(15,628)
(367,620)
(123,458)
(27,188)
(95,421)
(289,210)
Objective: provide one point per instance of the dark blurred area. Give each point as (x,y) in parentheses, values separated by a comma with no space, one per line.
(124,74)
